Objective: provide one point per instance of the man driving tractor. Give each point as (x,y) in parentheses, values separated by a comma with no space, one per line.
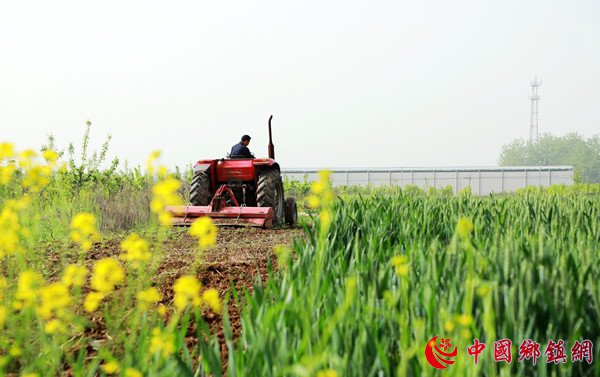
(240,150)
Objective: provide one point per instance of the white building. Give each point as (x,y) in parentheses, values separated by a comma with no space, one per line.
(482,180)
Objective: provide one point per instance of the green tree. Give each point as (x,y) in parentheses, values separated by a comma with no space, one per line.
(572,149)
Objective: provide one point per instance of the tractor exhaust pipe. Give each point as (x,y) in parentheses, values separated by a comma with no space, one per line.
(271,146)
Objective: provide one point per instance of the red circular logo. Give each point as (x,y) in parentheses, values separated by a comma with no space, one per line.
(436,354)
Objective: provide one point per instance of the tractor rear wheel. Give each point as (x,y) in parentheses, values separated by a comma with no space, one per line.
(200,190)
(269,193)
(291,212)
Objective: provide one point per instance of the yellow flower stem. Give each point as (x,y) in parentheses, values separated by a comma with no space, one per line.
(134,285)
(173,321)
(157,248)
(198,259)
(317,271)
(404,324)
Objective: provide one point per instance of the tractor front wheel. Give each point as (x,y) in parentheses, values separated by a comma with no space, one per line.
(269,193)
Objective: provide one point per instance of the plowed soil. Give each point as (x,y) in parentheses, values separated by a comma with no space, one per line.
(238,257)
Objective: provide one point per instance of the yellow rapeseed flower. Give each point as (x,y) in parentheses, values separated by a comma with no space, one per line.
(162,342)
(136,250)
(84,221)
(131,372)
(465,319)
(107,274)
(30,375)
(313,201)
(449,326)
(325,219)
(55,326)
(11,230)
(205,231)
(26,158)
(399,260)
(50,156)
(402,270)
(37,177)
(321,198)
(28,284)
(92,301)
(74,275)
(83,230)
(110,367)
(55,298)
(321,190)
(15,351)
(3,313)
(464,227)
(165,193)
(163,172)
(324,175)
(6,173)
(327,373)
(19,204)
(211,298)
(318,187)
(148,297)
(150,162)
(165,218)
(162,309)
(187,290)
(7,150)
(401,266)
(167,188)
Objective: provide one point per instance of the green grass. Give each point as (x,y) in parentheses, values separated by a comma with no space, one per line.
(535,254)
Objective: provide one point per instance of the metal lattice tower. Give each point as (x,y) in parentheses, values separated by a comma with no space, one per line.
(533,121)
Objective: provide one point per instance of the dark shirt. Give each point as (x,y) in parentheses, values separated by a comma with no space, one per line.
(240,151)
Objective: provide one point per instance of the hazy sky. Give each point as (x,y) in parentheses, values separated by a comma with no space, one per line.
(350,84)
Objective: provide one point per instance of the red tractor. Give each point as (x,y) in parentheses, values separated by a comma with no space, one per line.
(239,191)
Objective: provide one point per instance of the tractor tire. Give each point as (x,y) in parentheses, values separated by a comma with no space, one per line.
(200,194)
(291,212)
(269,193)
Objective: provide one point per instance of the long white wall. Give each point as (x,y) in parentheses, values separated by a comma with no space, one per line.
(482,180)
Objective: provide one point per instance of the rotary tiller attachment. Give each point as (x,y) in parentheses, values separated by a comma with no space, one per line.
(223,214)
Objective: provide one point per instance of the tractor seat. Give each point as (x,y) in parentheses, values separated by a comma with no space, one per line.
(237,156)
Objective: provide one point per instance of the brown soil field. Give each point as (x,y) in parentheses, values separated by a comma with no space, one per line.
(238,257)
